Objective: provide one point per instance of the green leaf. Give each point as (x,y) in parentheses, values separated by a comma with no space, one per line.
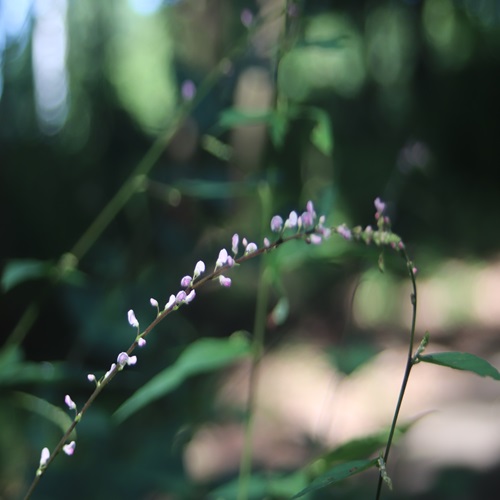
(14,371)
(278,127)
(233,117)
(462,361)
(204,355)
(336,474)
(322,135)
(19,270)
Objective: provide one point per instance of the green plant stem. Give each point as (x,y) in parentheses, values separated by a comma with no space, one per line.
(409,365)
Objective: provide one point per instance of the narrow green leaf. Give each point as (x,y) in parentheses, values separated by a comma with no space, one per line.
(322,135)
(278,127)
(336,474)
(19,270)
(233,117)
(462,361)
(202,356)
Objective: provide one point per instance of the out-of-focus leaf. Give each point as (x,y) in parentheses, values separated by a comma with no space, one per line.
(216,147)
(207,190)
(356,448)
(336,474)
(233,117)
(55,414)
(280,312)
(322,135)
(261,486)
(278,127)
(15,371)
(18,270)
(204,355)
(462,361)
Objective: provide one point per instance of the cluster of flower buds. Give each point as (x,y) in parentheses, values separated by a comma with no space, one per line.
(315,232)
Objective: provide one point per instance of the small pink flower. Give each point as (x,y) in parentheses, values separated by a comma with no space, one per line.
(276,224)
(188,90)
(344,231)
(199,269)
(132,319)
(91,377)
(170,303)
(221,260)
(186,281)
(379,206)
(246,17)
(190,296)
(224,281)
(141,342)
(69,449)
(124,359)
(267,243)
(180,297)
(251,248)
(153,302)
(315,239)
(292,220)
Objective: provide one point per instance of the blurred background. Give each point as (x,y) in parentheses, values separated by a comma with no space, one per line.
(136,136)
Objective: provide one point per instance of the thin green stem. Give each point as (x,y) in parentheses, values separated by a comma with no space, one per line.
(409,365)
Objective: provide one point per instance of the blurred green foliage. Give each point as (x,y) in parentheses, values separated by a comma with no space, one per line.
(336,102)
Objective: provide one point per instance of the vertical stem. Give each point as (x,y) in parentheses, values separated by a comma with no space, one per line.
(409,365)
(257,351)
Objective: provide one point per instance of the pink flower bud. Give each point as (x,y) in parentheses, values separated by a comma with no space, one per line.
(267,243)
(91,377)
(186,281)
(379,205)
(108,373)
(224,281)
(234,243)
(141,342)
(221,260)
(276,224)
(44,458)
(251,248)
(69,402)
(180,297)
(132,319)
(315,239)
(170,303)
(199,269)
(153,302)
(69,449)
(190,296)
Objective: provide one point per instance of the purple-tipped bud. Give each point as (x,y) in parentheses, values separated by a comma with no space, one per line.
(69,448)
(344,231)
(307,219)
(153,302)
(251,248)
(44,458)
(132,319)
(221,260)
(69,402)
(234,243)
(199,269)
(141,342)
(379,206)
(230,261)
(244,241)
(315,239)
(276,224)
(186,281)
(171,302)
(190,296)
(292,220)
(246,17)
(180,297)
(224,281)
